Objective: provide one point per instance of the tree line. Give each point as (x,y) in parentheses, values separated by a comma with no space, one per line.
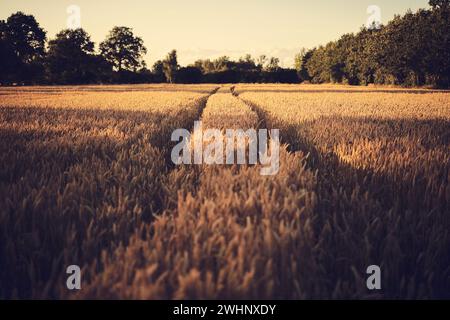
(70,58)
(411,50)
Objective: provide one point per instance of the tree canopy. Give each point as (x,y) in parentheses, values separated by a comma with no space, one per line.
(22,47)
(71,58)
(123,49)
(26,36)
(410,50)
(170,66)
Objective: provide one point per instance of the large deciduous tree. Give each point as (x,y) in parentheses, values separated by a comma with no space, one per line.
(158,71)
(26,36)
(123,49)
(22,47)
(412,50)
(71,58)
(170,66)
(300,61)
(9,62)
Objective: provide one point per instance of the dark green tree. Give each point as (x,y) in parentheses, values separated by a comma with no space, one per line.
(261,62)
(26,36)
(206,65)
(189,74)
(300,61)
(221,64)
(158,71)
(9,61)
(71,58)
(411,50)
(170,66)
(245,63)
(123,49)
(437,46)
(273,64)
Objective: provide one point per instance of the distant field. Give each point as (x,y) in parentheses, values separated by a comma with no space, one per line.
(86,178)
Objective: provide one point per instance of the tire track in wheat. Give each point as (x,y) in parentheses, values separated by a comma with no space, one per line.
(227,232)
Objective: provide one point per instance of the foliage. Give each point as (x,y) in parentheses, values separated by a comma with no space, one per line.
(245,69)
(26,36)
(123,49)
(71,59)
(410,50)
(189,75)
(170,66)
(22,47)
(158,71)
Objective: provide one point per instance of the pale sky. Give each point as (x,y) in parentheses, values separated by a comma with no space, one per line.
(210,28)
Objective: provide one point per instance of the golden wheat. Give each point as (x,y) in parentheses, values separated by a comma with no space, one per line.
(86,179)
(235,235)
(383,179)
(79,177)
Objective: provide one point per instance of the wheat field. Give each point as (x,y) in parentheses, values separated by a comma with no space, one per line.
(86,178)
